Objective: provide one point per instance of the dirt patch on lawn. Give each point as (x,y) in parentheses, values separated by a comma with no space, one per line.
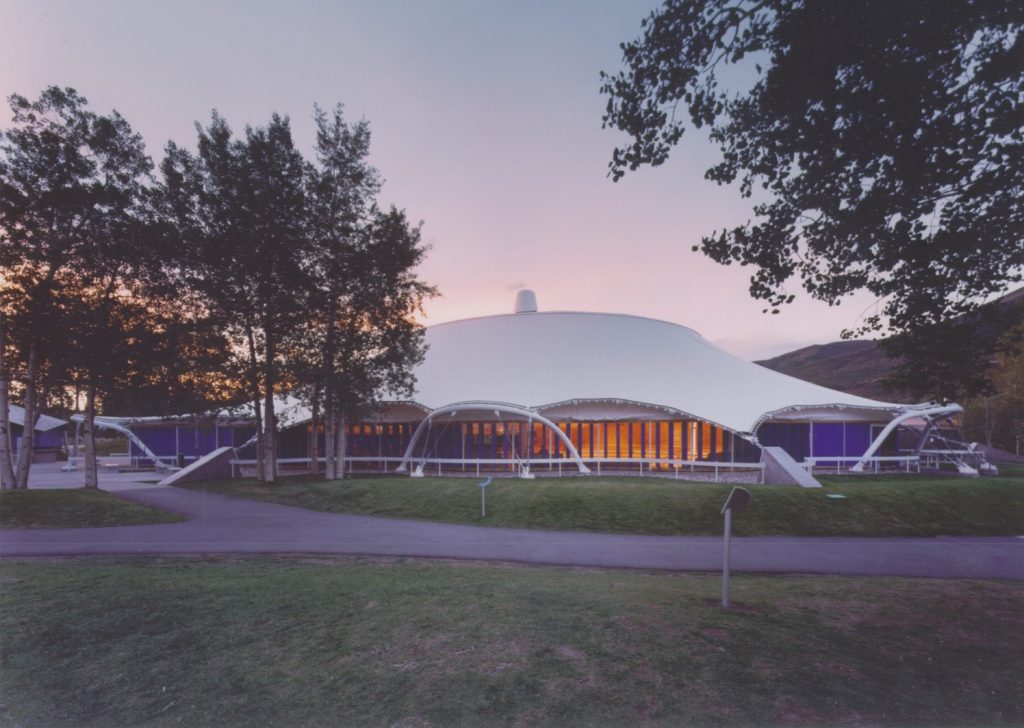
(570,653)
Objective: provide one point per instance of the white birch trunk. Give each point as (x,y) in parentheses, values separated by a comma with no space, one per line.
(89,431)
(314,435)
(269,430)
(254,386)
(28,432)
(330,443)
(7,480)
(339,448)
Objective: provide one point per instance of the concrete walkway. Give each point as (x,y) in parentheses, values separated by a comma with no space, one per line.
(112,480)
(223,524)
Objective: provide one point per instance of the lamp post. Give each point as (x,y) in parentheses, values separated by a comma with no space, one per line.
(737,501)
(483,496)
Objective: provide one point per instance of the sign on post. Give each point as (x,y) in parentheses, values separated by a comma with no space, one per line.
(737,501)
(483,496)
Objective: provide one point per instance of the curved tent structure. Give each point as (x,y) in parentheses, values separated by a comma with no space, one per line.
(624,388)
(563,360)
(533,390)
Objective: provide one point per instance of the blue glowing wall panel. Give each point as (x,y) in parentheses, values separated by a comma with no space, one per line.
(858,438)
(167,441)
(828,439)
(163,441)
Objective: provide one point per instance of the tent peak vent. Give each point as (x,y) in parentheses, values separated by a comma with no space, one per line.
(526,301)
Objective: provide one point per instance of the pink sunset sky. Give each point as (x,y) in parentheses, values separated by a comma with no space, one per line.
(486,122)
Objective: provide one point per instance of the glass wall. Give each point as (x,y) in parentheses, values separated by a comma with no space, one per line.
(682,440)
(189,441)
(379,440)
(825,439)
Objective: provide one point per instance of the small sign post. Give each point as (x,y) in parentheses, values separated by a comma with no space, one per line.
(737,501)
(483,496)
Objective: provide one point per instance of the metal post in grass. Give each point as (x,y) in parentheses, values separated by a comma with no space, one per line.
(483,496)
(737,501)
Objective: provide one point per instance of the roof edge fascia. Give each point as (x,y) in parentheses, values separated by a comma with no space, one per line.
(563,313)
(894,410)
(635,403)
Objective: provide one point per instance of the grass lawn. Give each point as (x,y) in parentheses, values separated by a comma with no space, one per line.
(873,506)
(373,642)
(74,508)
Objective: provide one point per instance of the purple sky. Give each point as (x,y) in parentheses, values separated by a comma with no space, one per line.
(486,122)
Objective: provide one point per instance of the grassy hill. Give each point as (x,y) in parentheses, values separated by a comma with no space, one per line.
(858,367)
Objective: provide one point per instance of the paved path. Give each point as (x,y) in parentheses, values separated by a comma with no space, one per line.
(223,524)
(54,475)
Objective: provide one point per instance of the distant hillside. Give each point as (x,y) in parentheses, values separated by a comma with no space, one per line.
(857,367)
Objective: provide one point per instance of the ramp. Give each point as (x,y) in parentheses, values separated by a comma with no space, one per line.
(781,469)
(215,465)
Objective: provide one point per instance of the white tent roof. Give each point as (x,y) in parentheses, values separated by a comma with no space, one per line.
(537,360)
(596,366)
(16,415)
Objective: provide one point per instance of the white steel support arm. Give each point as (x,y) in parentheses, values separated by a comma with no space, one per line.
(927,414)
(496,408)
(105,424)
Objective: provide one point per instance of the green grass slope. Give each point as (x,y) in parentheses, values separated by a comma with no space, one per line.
(74,508)
(359,642)
(894,506)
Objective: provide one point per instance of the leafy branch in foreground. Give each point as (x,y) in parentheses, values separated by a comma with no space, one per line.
(883,141)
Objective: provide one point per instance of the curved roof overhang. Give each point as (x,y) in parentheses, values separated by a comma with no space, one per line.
(836,412)
(612,409)
(554,362)
(576,410)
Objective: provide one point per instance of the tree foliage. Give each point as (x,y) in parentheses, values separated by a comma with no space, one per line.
(997,417)
(237,215)
(244,261)
(883,142)
(365,340)
(314,284)
(71,215)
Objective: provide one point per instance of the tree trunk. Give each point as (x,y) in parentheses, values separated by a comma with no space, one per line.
(339,448)
(269,417)
(330,443)
(989,421)
(314,434)
(28,433)
(330,409)
(254,392)
(7,480)
(91,471)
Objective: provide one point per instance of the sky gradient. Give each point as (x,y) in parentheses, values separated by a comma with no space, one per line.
(486,121)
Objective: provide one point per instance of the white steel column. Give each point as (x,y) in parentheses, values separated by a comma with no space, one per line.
(496,408)
(930,412)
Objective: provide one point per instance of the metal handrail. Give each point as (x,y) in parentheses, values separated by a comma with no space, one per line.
(716,466)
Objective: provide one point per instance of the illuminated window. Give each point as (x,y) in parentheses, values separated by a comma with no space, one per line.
(662,442)
(636,440)
(586,447)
